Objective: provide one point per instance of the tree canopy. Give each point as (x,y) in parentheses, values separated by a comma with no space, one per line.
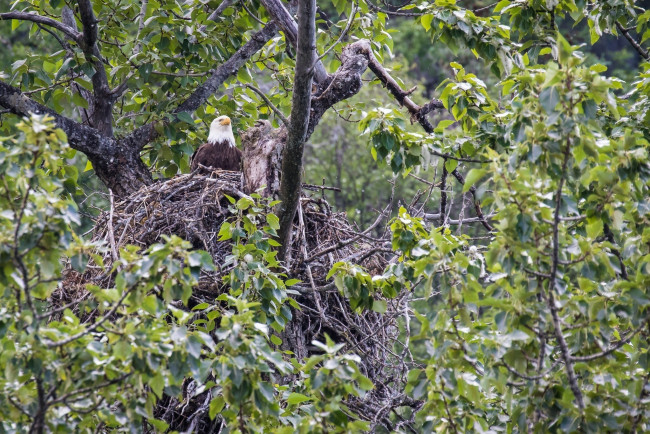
(503,245)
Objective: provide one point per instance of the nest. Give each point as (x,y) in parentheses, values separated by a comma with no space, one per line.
(193,207)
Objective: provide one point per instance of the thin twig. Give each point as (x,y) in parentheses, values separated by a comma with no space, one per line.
(355,8)
(613,348)
(644,53)
(268,102)
(111,236)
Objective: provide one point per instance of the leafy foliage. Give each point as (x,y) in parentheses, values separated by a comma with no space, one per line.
(542,323)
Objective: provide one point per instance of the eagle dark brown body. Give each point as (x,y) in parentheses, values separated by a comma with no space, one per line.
(220,152)
(219,155)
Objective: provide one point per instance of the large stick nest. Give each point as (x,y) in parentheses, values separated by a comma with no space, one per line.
(193,207)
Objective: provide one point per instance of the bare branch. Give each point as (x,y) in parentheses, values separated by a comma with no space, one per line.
(443,194)
(644,53)
(35,18)
(290,184)
(345,31)
(436,216)
(417,113)
(516,373)
(396,13)
(477,203)
(213,16)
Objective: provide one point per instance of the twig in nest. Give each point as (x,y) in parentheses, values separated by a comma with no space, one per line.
(319,187)
(111,236)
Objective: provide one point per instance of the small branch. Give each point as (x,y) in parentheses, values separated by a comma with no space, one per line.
(436,216)
(314,187)
(214,15)
(644,53)
(485,8)
(243,3)
(477,203)
(18,406)
(613,348)
(418,113)
(35,18)
(395,13)
(537,273)
(61,42)
(268,102)
(431,184)
(443,194)
(90,389)
(564,349)
(92,328)
(345,31)
(516,373)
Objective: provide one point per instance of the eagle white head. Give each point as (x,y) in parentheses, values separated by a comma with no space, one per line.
(221,131)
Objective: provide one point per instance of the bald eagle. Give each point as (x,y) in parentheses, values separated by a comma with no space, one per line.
(220,151)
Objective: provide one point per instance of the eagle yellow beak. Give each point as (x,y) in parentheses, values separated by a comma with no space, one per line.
(225,121)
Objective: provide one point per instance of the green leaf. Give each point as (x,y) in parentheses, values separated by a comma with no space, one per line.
(216,405)
(185,117)
(297,398)
(379,306)
(451,165)
(273,221)
(426,21)
(145,70)
(594,227)
(472,177)
(549,98)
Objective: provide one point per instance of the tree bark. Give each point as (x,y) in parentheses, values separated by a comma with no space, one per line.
(103,99)
(291,182)
(116,163)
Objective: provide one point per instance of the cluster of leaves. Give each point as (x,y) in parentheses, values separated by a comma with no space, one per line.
(60,371)
(547,325)
(260,296)
(392,144)
(542,326)
(108,359)
(486,37)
